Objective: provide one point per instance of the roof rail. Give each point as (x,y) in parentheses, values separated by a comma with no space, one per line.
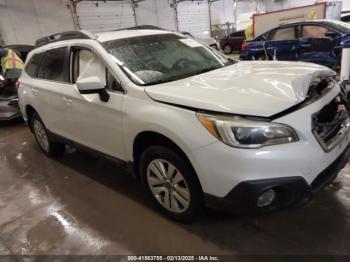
(142,27)
(79,34)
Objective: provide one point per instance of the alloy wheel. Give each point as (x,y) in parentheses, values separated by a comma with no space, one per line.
(168,185)
(41,136)
(227,49)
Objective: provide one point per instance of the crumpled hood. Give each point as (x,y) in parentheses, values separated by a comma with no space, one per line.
(258,88)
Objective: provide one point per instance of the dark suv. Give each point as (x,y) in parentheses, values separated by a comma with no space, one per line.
(232,42)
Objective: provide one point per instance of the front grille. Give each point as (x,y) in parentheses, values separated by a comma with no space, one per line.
(331,124)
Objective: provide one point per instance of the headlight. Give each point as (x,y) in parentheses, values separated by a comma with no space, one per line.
(244,133)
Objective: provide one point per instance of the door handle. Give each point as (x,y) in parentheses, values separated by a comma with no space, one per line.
(67,101)
(35,91)
(305,45)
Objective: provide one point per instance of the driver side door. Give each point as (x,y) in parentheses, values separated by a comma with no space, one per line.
(316,46)
(93,123)
(282,42)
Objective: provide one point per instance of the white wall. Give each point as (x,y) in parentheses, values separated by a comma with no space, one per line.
(333,11)
(155,12)
(24,21)
(159,12)
(271,5)
(222,10)
(346,5)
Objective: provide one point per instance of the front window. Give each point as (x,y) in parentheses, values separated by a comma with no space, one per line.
(340,26)
(315,31)
(157,59)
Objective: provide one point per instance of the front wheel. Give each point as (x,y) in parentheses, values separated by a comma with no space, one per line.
(172,183)
(48,146)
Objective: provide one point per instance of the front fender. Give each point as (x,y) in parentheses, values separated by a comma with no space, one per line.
(179,125)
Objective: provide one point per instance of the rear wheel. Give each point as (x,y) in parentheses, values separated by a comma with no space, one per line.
(48,146)
(227,49)
(171,183)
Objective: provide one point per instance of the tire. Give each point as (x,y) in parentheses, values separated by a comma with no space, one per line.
(178,195)
(227,49)
(46,144)
(262,57)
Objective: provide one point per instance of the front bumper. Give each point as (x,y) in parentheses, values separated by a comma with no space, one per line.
(301,165)
(290,191)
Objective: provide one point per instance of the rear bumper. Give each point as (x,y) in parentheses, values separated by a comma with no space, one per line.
(9,109)
(290,191)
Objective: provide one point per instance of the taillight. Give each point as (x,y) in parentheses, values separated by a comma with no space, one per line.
(17,84)
(244,46)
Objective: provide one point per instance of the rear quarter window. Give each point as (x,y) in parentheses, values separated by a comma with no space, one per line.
(287,33)
(238,34)
(33,65)
(54,66)
(50,65)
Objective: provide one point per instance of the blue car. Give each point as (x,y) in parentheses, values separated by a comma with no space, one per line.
(315,41)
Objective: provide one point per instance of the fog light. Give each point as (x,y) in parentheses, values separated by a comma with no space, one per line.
(266,198)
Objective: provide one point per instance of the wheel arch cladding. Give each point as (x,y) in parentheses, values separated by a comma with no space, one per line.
(146,139)
(29,111)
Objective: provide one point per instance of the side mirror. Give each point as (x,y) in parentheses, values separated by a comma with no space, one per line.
(331,34)
(93,85)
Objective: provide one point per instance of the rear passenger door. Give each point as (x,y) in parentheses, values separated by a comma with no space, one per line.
(90,121)
(51,80)
(283,42)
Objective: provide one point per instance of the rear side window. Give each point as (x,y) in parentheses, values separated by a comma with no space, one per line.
(284,34)
(54,66)
(315,31)
(33,65)
(238,34)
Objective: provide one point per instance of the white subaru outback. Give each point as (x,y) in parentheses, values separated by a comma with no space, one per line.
(197,127)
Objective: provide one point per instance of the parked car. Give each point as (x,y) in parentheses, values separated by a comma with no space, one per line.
(206,41)
(8,103)
(233,42)
(8,95)
(316,41)
(197,127)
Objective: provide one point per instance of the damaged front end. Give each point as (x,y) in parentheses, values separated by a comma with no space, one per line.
(331,124)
